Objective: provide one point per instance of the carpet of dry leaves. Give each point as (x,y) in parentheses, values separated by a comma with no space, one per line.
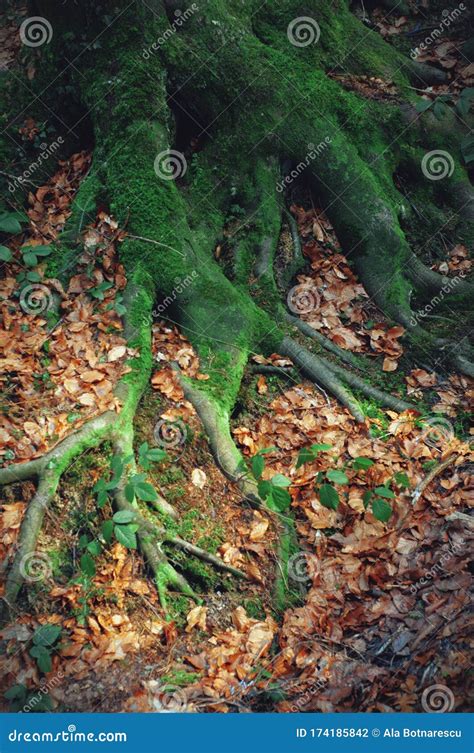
(385,607)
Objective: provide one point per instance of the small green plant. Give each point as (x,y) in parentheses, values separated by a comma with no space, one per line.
(30,254)
(10,222)
(5,254)
(21,698)
(328,494)
(121,526)
(45,639)
(99,290)
(275,491)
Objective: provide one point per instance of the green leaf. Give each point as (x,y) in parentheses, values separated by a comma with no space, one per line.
(337,477)
(423,105)
(9,223)
(83,541)
(156,455)
(328,496)
(87,565)
(321,447)
(463,106)
(362,464)
(266,450)
(126,535)
(384,491)
(258,464)
(5,254)
(123,516)
(42,250)
(308,454)
(366,497)
(30,260)
(16,691)
(46,635)
(381,510)
(280,499)
(129,492)
(145,492)
(305,455)
(401,479)
(279,480)
(264,489)
(107,530)
(94,547)
(439,109)
(43,658)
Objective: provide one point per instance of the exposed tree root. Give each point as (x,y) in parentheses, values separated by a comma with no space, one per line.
(309,331)
(317,370)
(216,425)
(384,398)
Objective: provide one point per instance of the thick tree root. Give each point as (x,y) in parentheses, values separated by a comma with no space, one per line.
(317,370)
(216,425)
(309,331)
(384,398)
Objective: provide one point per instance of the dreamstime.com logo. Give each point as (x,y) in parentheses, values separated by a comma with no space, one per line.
(36,31)
(303,31)
(437,299)
(170,164)
(180,19)
(67,736)
(304,298)
(437,165)
(449,17)
(438,569)
(315,150)
(437,699)
(46,151)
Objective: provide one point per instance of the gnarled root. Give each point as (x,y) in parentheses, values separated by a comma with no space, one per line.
(317,370)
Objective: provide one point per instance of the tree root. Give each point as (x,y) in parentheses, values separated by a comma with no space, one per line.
(317,370)
(384,398)
(216,425)
(309,331)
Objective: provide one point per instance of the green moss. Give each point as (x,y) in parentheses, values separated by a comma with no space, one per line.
(179,678)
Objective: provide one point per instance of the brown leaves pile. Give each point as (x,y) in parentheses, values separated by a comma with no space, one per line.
(54,378)
(343,307)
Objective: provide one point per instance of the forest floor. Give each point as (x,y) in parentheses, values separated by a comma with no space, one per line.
(377,613)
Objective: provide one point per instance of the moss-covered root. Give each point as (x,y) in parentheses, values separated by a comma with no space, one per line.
(383,398)
(151,537)
(216,425)
(306,329)
(317,370)
(48,471)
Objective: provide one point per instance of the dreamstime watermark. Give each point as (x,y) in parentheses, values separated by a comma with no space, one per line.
(303,31)
(168,699)
(180,19)
(437,569)
(46,152)
(313,153)
(437,699)
(170,164)
(38,696)
(437,299)
(180,287)
(70,735)
(304,298)
(170,434)
(437,431)
(437,165)
(35,567)
(36,299)
(449,17)
(303,566)
(36,31)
